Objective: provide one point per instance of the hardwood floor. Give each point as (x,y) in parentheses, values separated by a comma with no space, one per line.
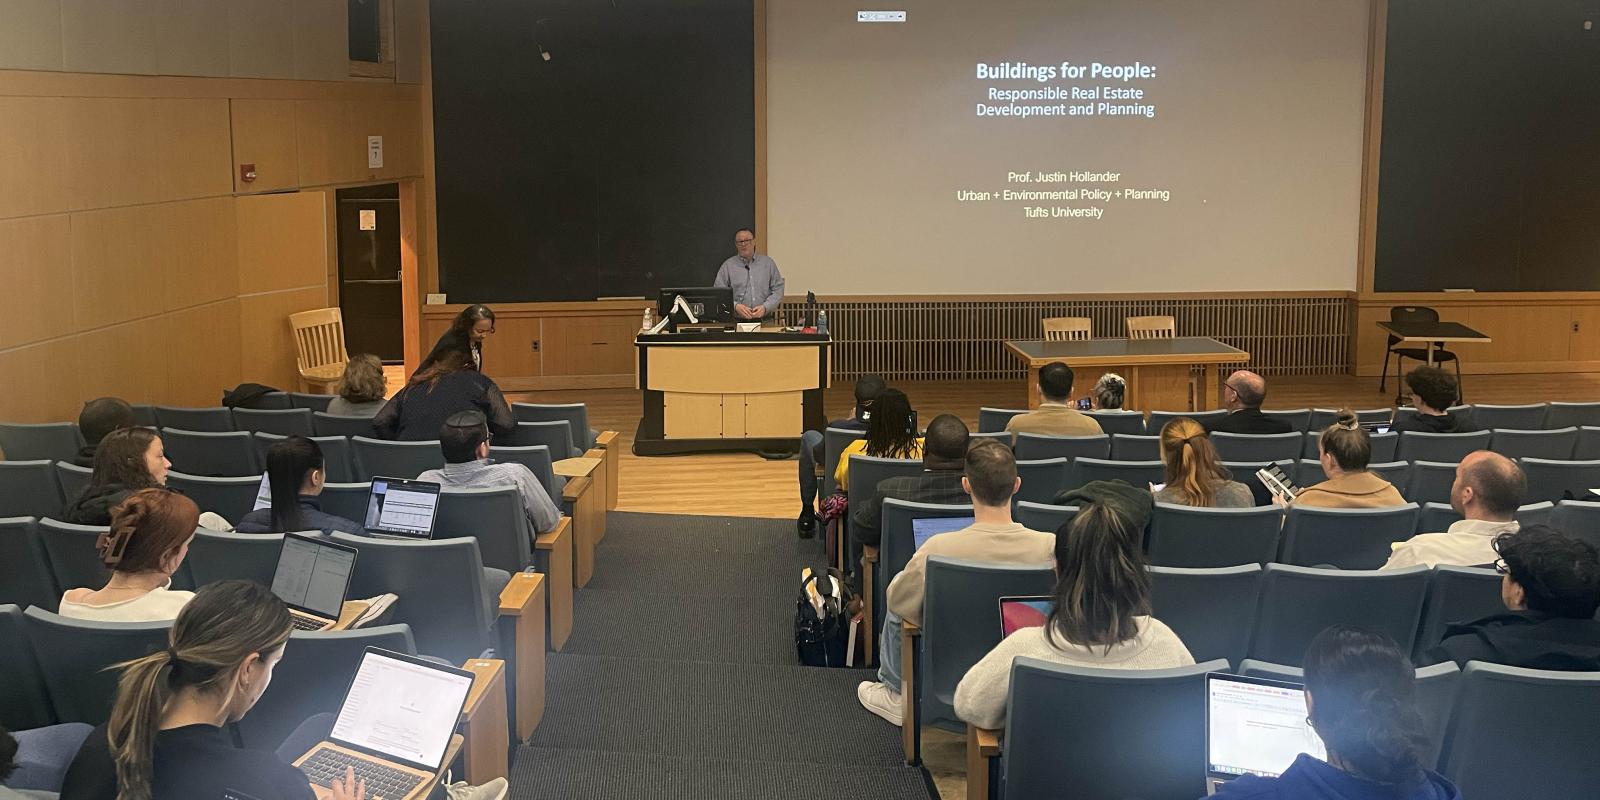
(744,484)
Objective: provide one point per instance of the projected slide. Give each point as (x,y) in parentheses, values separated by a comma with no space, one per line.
(1065,146)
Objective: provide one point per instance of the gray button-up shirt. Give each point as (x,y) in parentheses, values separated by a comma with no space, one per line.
(760,285)
(482,474)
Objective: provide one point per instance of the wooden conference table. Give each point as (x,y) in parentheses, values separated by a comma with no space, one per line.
(1157,370)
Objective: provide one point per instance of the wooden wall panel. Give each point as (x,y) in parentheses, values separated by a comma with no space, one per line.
(264,135)
(397,121)
(321,30)
(120,36)
(196,243)
(260,39)
(36,271)
(115,269)
(282,241)
(191,37)
(410,36)
(266,344)
(202,347)
(125,151)
(1518,334)
(33,156)
(30,34)
(127,361)
(50,389)
(330,150)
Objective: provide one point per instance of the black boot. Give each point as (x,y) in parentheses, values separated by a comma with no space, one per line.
(807,524)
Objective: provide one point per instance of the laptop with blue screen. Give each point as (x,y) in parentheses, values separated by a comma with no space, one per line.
(925,528)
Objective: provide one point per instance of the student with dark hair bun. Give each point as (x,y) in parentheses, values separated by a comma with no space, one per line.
(1345,451)
(296,472)
(98,418)
(1361,697)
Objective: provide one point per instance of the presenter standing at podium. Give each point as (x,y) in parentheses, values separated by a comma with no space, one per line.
(755,280)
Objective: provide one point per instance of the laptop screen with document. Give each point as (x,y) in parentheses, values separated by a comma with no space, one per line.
(402,708)
(402,507)
(313,575)
(1256,726)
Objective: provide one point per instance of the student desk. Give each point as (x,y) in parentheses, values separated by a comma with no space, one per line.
(725,390)
(1158,370)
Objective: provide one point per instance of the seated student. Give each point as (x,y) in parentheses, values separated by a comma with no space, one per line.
(1433,391)
(149,538)
(1551,589)
(1193,475)
(465,440)
(991,479)
(127,460)
(1487,492)
(811,442)
(891,433)
(944,458)
(449,385)
(1361,699)
(296,471)
(98,418)
(360,389)
(1101,616)
(1345,450)
(1243,393)
(166,736)
(1055,415)
(1108,392)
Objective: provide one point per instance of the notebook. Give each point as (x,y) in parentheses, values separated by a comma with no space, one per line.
(1024,612)
(312,578)
(925,528)
(1255,726)
(393,727)
(400,507)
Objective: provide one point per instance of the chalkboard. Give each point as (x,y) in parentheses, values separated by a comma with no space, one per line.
(622,164)
(1489,175)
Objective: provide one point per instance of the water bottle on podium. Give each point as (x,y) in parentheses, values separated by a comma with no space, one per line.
(822,322)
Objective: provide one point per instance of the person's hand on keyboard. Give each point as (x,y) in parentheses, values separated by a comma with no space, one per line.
(349,788)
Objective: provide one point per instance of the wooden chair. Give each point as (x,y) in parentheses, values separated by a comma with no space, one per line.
(1152,327)
(319,348)
(1068,329)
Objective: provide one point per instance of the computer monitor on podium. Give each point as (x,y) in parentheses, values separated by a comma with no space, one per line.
(709,303)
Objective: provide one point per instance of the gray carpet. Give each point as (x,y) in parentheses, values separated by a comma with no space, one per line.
(680,678)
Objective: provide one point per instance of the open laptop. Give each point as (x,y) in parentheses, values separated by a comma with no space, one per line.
(313,578)
(399,507)
(1024,612)
(925,528)
(1255,726)
(394,725)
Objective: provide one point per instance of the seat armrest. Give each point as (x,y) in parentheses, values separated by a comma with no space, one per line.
(910,721)
(556,551)
(983,754)
(485,726)
(580,467)
(518,596)
(869,553)
(610,449)
(522,636)
(605,439)
(575,488)
(546,541)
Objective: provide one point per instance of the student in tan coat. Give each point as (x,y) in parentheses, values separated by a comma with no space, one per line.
(1055,415)
(991,479)
(1345,452)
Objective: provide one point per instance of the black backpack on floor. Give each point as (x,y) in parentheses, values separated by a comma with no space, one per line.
(823,639)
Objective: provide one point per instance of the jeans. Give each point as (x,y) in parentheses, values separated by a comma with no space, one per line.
(810,454)
(889,652)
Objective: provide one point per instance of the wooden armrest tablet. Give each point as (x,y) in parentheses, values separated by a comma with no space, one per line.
(546,541)
(605,439)
(557,547)
(869,553)
(484,724)
(909,628)
(575,488)
(522,635)
(983,745)
(579,467)
(518,596)
(987,740)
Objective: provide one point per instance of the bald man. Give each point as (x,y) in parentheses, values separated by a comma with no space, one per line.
(1487,492)
(1244,392)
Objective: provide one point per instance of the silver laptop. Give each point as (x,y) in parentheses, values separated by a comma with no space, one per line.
(404,508)
(313,578)
(394,726)
(1255,726)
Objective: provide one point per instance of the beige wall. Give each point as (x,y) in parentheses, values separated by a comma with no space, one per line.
(133,259)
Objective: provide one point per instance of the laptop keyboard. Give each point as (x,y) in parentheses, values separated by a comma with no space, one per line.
(326,766)
(307,623)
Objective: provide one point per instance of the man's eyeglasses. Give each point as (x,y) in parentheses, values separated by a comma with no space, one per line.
(743,241)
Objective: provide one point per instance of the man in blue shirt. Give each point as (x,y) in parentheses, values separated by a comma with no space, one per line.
(755,280)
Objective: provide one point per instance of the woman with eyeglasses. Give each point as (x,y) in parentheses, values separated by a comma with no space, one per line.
(148,540)
(474,324)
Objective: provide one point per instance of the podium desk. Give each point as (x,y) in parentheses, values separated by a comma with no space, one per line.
(724,390)
(1158,370)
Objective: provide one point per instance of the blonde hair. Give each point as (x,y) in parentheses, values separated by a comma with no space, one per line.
(223,625)
(1191,461)
(363,379)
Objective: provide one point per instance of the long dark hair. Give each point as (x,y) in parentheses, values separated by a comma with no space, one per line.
(1101,580)
(1364,704)
(288,463)
(454,357)
(119,461)
(469,316)
(891,433)
(223,625)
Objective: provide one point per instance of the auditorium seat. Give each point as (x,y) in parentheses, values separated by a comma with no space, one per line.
(29,489)
(25,575)
(70,549)
(1588,448)
(494,517)
(144,415)
(1037,447)
(1451,447)
(865,473)
(1560,480)
(1041,479)
(1258,446)
(1455,594)
(1385,446)
(1130,447)
(1135,473)
(1430,482)
(440,585)
(1346,538)
(537,459)
(1580,518)
(315,402)
(1436,518)
(576,415)
(1159,419)
(991,420)
(271,401)
(73,479)
(311,679)
(1308,472)
(380,458)
(227,454)
(1529,417)
(25,703)
(1556,444)
(1186,536)
(336,455)
(896,544)
(1211,609)
(283,422)
(1535,513)
(348,500)
(1321,418)
(557,436)
(50,441)
(1297,603)
(231,498)
(1563,415)
(960,625)
(74,655)
(834,441)
(1395,472)
(1540,721)
(1117,420)
(325,424)
(212,420)
(1043,516)
(1298,418)
(218,556)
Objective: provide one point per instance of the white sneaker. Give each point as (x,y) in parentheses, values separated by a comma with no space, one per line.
(493,790)
(881,700)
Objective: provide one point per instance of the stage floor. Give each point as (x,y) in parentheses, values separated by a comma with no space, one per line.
(743,484)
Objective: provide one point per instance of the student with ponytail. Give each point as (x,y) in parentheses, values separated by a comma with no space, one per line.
(1362,701)
(297,472)
(148,539)
(1194,477)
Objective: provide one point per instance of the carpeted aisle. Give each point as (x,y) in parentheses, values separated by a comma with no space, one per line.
(680,680)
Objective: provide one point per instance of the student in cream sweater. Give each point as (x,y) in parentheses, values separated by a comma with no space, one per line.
(1100,563)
